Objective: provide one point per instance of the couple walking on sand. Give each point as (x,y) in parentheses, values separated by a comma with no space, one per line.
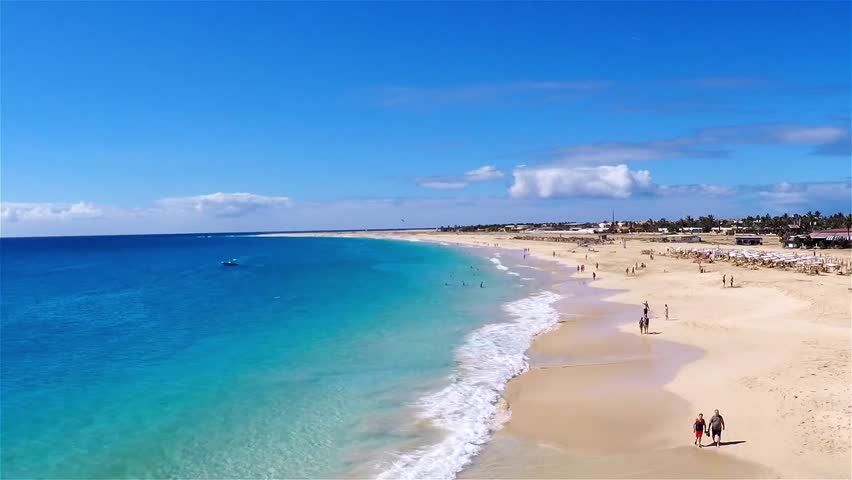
(700,427)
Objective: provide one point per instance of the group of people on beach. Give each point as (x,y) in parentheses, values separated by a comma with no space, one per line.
(715,427)
(582,268)
(632,270)
(645,321)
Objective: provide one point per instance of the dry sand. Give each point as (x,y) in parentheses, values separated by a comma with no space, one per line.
(601,401)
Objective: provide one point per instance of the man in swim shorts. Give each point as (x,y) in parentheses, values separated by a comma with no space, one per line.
(717,424)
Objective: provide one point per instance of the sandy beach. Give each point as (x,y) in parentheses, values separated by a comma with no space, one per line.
(602,401)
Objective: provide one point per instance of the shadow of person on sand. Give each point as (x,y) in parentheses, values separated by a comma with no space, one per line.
(653,333)
(725,444)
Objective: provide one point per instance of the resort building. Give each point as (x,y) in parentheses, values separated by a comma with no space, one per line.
(749,240)
(683,238)
(838,237)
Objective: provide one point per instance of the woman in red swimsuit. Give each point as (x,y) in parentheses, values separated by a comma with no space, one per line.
(699,427)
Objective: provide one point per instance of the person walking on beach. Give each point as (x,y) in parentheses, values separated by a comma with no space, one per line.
(627,271)
(641,325)
(723,280)
(717,424)
(596,265)
(594,275)
(732,281)
(667,312)
(647,323)
(645,308)
(699,428)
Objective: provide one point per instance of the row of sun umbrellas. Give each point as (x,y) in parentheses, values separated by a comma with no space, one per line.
(762,258)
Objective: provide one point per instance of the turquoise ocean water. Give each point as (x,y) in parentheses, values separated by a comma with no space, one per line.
(141,356)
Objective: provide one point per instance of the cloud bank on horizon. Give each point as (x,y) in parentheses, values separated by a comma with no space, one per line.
(587,174)
(580,189)
(363,132)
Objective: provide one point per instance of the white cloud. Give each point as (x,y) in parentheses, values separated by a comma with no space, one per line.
(14,212)
(613,153)
(774,134)
(700,189)
(484,174)
(223,204)
(717,189)
(616,153)
(705,143)
(813,135)
(444,185)
(558,181)
(790,194)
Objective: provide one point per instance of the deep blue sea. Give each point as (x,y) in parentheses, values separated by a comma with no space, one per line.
(142,356)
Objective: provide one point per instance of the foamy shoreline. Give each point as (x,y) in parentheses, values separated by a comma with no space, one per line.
(470,409)
(776,364)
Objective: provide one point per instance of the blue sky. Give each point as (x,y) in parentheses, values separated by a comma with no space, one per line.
(167,117)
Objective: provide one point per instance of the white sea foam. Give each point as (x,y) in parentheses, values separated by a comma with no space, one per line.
(468,409)
(527,278)
(514,273)
(529,266)
(497,263)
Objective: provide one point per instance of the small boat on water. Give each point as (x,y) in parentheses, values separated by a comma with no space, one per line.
(230,263)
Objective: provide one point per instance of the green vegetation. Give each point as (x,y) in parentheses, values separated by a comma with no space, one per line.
(766,224)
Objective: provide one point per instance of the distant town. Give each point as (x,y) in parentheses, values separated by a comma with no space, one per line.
(808,230)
